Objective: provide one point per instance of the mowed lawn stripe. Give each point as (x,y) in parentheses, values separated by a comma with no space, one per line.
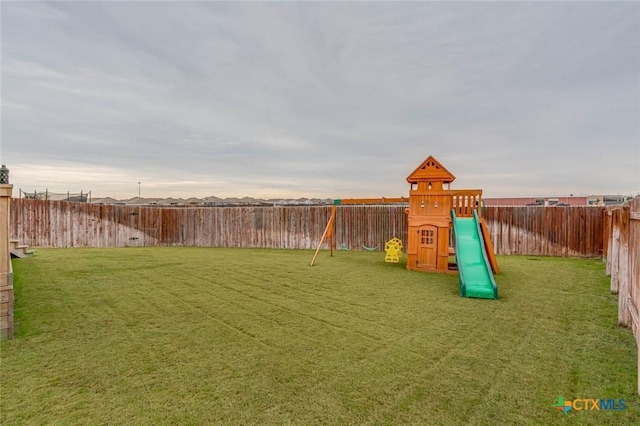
(249,314)
(299,303)
(245,336)
(256,304)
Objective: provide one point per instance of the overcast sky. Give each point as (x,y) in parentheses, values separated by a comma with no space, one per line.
(320,99)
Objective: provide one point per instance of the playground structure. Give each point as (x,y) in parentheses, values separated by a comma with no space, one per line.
(393,248)
(330,228)
(430,216)
(437,217)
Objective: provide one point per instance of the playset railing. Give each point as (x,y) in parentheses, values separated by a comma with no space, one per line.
(466,201)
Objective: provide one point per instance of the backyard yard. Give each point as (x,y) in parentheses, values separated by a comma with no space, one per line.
(257,336)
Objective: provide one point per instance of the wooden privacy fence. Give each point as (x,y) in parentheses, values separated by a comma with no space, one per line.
(546,231)
(552,231)
(62,224)
(622,230)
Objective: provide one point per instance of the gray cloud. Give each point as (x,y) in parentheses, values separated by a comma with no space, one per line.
(320,99)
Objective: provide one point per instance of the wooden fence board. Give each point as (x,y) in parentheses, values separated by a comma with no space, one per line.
(546,231)
(624,314)
(622,227)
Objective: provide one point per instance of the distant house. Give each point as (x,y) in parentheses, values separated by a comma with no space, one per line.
(213,201)
(106,200)
(607,200)
(193,202)
(139,201)
(537,201)
(171,202)
(304,201)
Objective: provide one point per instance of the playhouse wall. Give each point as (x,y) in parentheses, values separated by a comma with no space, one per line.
(443,225)
(429,204)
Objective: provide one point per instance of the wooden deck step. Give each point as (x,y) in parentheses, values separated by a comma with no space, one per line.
(19,250)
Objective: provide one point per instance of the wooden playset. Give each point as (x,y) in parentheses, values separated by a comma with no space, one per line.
(431,215)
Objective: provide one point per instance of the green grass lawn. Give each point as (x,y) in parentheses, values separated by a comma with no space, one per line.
(246,336)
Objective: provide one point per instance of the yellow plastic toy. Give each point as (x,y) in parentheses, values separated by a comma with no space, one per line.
(393,247)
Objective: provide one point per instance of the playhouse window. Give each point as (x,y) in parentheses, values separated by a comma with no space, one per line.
(426,237)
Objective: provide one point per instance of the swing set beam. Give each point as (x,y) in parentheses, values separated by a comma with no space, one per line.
(328,230)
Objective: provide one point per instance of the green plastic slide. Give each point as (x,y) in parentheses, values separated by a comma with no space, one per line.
(476,278)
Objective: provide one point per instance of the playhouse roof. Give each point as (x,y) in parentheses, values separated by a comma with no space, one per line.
(431,170)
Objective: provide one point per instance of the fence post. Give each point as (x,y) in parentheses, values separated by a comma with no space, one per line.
(633,299)
(6,276)
(606,230)
(614,250)
(609,242)
(624,315)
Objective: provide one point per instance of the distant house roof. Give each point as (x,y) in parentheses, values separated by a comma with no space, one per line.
(140,201)
(212,199)
(536,201)
(105,200)
(171,202)
(194,201)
